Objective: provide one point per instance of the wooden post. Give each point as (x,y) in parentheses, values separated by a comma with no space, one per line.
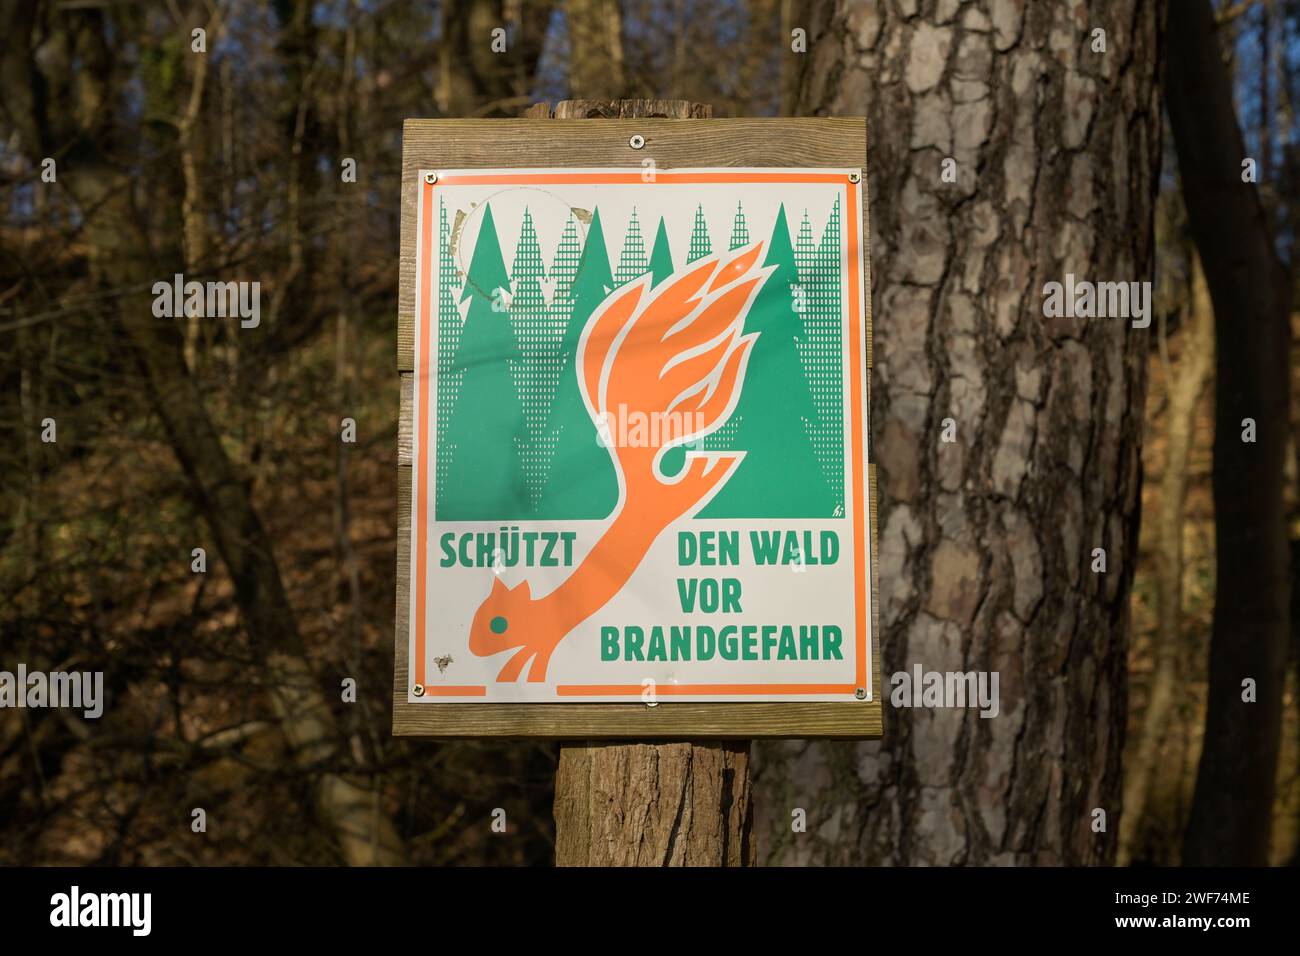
(660,804)
(673,804)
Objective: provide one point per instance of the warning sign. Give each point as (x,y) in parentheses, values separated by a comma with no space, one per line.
(639,437)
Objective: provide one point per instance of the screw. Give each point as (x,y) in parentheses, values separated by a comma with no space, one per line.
(855,177)
(430,178)
(637,141)
(418,690)
(861,693)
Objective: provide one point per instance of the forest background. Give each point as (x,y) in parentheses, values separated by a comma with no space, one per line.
(227,688)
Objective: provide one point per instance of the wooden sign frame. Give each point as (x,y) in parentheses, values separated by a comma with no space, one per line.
(467,144)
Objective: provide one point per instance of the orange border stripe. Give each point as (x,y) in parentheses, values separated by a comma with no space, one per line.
(446,690)
(687,690)
(637,178)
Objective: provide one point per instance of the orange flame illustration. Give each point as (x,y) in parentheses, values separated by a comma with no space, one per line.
(675,350)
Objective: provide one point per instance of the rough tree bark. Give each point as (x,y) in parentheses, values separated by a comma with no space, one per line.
(1233,802)
(674,804)
(987,542)
(661,804)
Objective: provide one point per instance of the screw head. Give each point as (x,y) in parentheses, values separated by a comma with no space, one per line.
(430,178)
(855,177)
(860,693)
(418,690)
(637,141)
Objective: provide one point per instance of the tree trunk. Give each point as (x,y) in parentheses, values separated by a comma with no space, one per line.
(677,804)
(987,542)
(595,48)
(1233,802)
(662,804)
(477,76)
(193,215)
(1184,390)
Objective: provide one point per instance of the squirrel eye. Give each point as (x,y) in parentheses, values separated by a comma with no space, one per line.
(499,625)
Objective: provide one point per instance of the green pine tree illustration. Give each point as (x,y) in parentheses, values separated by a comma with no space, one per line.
(485,479)
(564,267)
(780,476)
(449,282)
(580,482)
(739,230)
(537,372)
(724,437)
(661,257)
(822,344)
(805,253)
(631,262)
(700,245)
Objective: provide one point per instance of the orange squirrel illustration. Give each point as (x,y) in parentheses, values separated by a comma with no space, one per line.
(677,349)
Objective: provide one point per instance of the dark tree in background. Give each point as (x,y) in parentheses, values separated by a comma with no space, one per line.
(1232,810)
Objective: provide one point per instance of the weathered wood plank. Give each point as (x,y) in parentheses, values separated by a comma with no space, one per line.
(627,109)
(402,619)
(405,420)
(667,721)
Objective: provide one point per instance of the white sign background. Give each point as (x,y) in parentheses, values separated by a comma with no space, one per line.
(771,595)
